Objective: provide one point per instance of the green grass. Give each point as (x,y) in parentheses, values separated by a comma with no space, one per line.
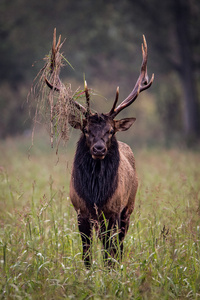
(40,247)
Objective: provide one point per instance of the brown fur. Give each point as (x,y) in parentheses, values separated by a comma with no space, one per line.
(104,171)
(124,196)
(118,208)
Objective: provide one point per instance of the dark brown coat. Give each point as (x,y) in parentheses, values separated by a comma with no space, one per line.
(125,192)
(103,183)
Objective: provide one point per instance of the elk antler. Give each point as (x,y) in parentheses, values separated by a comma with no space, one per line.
(141,85)
(57,84)
(58,89)
(115,102)
(87,95)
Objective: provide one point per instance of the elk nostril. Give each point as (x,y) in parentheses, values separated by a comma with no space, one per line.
(99,149)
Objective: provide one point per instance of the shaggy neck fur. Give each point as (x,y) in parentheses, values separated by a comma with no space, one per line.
(95,181)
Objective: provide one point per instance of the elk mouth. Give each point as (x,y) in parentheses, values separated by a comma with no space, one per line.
(99,156)
(98,152)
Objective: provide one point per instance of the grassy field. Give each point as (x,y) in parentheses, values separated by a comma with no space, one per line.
(40,247)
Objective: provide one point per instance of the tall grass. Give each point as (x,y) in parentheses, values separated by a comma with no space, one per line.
(40,246)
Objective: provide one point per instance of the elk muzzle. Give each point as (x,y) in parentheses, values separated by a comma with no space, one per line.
(98,150)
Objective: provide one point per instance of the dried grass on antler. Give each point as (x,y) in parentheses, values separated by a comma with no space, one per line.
(56,105)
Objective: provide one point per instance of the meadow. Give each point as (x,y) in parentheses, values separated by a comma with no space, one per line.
(40,247)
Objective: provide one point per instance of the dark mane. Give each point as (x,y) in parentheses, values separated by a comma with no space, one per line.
(95,181)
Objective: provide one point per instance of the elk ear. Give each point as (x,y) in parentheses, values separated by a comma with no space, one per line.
(77,124)
(124,124)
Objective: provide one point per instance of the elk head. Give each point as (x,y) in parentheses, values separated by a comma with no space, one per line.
(99,129)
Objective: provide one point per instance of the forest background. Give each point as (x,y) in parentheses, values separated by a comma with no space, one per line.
(40,248)
(103,41)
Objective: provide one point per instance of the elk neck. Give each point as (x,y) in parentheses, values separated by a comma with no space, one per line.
(95,181)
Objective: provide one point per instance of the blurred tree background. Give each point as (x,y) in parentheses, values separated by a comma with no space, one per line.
(103,41)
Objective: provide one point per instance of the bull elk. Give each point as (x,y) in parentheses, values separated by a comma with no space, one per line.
(103,181)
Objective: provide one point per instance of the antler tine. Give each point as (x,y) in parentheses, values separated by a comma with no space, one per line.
(55,49)
(87,95)
(54,41)
(142,84)
(115,102)
(144,62)
(51,86)
(57,84)
(58,44)
(53,53)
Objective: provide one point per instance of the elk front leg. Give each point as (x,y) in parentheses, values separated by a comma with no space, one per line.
(85,229)
(108,238)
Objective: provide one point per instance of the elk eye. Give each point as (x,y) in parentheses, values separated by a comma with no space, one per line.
(111,131)
(85,131)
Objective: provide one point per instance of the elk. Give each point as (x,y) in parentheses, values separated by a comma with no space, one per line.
(104,181)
